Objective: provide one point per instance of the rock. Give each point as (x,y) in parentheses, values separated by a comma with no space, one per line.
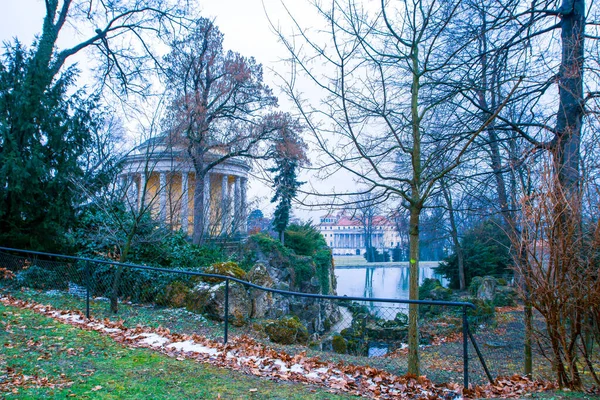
(286,330)
(487,289)
(401,318)
(210,300)
(383,333)
(262,302)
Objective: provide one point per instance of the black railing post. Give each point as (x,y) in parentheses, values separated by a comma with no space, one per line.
(226,311)
(87,289)
(485,368)
(465,347)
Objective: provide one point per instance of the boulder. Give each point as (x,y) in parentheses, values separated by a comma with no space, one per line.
(262,302)
(210,300)
(487,289)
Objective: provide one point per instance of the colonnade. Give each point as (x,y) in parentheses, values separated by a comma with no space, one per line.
(167,195)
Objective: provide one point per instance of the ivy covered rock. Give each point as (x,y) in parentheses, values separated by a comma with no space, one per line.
(303,267)
(505,296)
(286,330)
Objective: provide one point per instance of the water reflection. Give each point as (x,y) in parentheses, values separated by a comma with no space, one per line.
(383,282)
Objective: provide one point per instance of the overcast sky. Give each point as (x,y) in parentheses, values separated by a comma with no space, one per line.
(246,29)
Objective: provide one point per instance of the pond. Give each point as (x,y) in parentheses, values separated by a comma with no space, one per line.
(382,280)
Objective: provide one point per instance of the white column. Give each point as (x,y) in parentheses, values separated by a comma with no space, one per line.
(237,204)
(131,192)
(224,205)
(142,191)
(207,210)
(243,206)
(184,202)
(162,212)
(123,186)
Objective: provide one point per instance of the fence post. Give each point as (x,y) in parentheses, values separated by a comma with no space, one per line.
(226,311)
(87,289)
(465,348)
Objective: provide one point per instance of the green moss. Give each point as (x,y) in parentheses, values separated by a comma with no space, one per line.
(228,268)
(286,330)
(174,295)
(339,344)
(474,285)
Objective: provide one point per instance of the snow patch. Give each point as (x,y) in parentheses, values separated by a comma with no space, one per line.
(282,365)
(297,368)
(191,346)
(154,340)
(73,318)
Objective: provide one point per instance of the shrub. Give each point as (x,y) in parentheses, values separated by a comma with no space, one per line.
(339,344)
(485,250)
(36,277)
(304,240)
(286,330)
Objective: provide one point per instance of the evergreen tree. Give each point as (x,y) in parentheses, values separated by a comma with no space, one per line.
(44,130)
(289,153)
(286,186)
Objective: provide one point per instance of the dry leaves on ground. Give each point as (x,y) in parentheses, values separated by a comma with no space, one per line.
(247,355)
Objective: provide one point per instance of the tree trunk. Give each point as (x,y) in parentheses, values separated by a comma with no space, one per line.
(199,208)
(413,309)
(462,281)
(566,151)
(114,293)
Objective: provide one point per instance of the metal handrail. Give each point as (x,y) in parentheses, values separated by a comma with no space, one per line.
(464,305)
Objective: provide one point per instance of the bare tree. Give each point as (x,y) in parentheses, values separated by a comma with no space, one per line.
(219,101)
(390,118)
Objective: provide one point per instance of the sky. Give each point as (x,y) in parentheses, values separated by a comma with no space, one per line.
(246,30)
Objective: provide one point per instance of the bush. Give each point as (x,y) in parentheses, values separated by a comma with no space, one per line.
(286,330)
(38,278)
(373,255)
(485,250)
(339,344)
(304,239)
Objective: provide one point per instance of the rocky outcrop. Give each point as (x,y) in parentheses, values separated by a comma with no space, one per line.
(262,301)
(210,300)
(274,266)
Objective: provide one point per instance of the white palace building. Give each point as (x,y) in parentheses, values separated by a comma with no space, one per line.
(345,235)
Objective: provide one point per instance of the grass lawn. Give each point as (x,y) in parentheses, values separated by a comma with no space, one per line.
(99,368)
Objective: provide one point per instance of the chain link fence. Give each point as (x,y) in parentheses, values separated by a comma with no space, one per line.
(353,330)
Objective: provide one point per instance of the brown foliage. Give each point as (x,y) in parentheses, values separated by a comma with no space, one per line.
(561,276)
